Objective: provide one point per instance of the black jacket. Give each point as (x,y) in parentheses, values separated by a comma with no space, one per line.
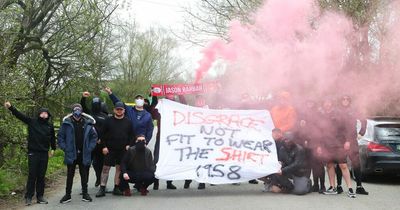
(40,132)
(294,161)
(128,162)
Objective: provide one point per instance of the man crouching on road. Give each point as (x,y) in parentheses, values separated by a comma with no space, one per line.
(137,167)
(292,177)
(77,138)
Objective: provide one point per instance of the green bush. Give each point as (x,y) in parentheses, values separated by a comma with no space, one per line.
(14,172)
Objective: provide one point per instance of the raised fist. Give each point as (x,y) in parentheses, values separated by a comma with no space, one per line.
(7,104)
(108,90)
(86,94)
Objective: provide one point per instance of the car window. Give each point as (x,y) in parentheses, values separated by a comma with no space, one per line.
(387,131)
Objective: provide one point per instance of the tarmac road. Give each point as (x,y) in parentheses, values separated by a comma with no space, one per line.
(384,194)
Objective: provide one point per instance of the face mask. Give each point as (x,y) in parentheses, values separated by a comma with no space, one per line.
(139,102)
(140,145)
(77,113)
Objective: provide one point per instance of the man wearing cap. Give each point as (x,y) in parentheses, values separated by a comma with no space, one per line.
(142,122)
(117,136)
(40,138)
(77,138)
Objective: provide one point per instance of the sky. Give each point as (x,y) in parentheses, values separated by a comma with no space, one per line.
(167,14)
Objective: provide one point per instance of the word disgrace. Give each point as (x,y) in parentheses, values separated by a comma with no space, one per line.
(200,118)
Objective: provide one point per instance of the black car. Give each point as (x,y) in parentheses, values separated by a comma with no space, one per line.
(380,147)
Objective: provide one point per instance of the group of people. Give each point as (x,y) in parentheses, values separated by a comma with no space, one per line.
(306,141)
(312,137)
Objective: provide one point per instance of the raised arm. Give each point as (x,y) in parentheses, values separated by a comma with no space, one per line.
(17,114)
(85,108)
(113,97)
(154,102)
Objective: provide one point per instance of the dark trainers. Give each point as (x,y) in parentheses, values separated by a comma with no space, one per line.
(127,192)
(28,201)
(253,181)
(351,193)
(322,190)
(170,186)
(315,188)
(117,191)
(41,200)
(330,191)
(66,199)
(102,192)
(339,189)
(86,197)
(143,191)
(97,183)
(360,190)
(187,184)
(201,186)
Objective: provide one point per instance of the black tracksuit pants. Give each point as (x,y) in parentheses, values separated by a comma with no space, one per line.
(83,171)
(141,179)
(98,162)
(37,164)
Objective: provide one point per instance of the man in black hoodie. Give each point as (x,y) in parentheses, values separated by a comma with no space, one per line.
(97,113)
(137,167)
(40,137)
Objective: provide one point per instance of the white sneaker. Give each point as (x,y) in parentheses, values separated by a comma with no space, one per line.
(330,191)
(351,193)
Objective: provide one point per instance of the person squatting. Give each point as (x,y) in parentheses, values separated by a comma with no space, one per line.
(307,140)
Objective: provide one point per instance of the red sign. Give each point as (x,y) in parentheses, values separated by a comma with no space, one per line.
(183,89)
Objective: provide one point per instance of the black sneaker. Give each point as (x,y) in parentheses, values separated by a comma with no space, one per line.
(339,189)
(28,201)
(170,186)
(86,197)
(65,199)
(360,190)
(117,191)
(322,190)
(97,183)
(156,184)
(351,193)
(187,184)
(253,181)
(330,191)
(101,192)
(315,188)
(201,186)
(41,200)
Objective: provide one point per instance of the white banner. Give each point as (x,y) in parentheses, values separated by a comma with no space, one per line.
(215,146)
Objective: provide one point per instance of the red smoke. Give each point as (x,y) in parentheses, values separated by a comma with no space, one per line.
(292,45)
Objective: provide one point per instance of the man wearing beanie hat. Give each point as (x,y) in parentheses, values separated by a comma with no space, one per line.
(77,138)
(40,137)
(97,113)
